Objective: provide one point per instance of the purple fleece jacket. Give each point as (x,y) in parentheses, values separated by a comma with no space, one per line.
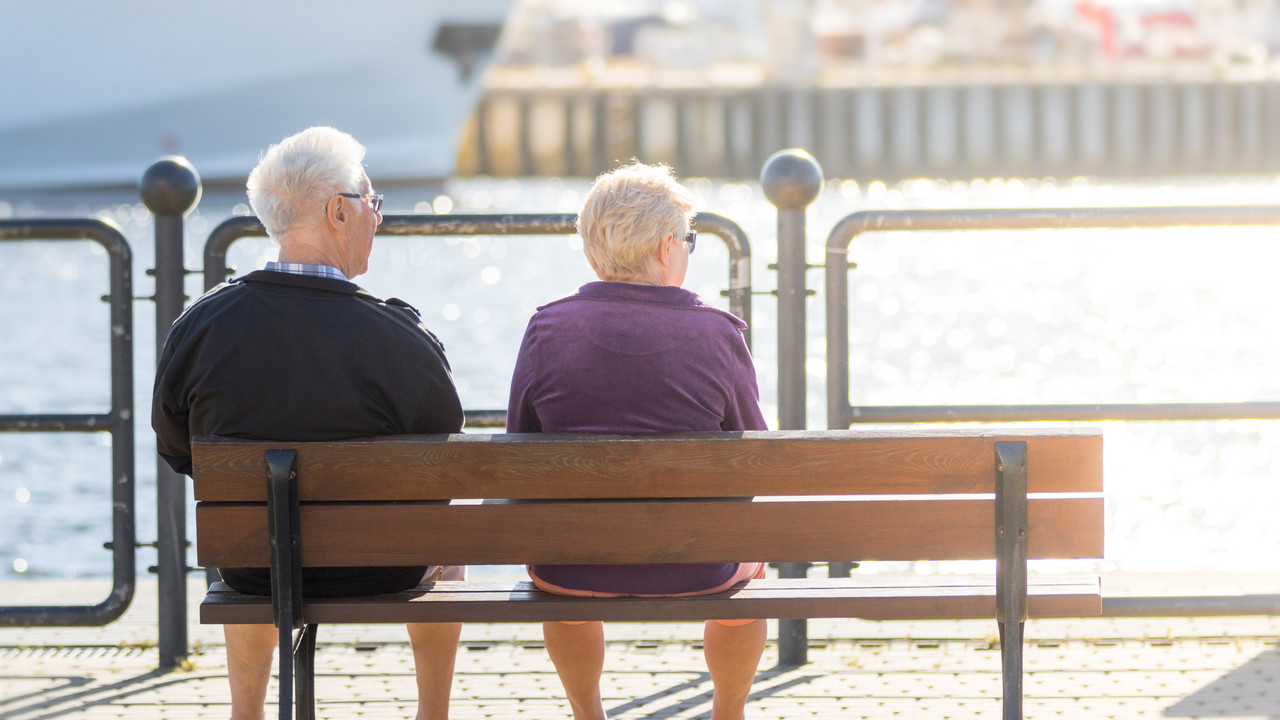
(617,358)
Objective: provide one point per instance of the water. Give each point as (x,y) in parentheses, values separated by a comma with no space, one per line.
(1170,315)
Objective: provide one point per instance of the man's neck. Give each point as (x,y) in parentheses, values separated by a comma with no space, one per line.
(306,249)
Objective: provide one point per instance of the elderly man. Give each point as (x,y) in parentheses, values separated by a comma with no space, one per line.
(298,352)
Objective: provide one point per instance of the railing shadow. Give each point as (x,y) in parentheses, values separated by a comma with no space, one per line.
(681,706)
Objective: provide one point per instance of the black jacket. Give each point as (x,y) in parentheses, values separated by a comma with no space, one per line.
(277,356)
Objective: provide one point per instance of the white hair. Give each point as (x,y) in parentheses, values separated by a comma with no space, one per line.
(627,214)
(296,177)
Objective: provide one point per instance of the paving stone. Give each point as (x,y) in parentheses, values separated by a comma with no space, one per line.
(1094,668)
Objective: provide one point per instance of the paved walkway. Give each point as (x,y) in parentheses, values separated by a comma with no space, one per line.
(1096,668)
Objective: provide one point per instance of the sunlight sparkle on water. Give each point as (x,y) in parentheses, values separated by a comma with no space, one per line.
(1052,316)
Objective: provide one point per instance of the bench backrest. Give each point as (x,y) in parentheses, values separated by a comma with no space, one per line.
(818,496)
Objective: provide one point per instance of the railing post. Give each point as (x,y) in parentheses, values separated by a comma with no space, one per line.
(170,188)
(791,180)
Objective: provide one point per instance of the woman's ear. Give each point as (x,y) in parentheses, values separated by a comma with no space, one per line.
(664,250)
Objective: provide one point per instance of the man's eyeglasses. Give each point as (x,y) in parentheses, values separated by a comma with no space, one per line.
(375,198)
(691,239)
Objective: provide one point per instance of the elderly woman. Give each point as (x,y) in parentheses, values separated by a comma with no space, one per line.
(636,353)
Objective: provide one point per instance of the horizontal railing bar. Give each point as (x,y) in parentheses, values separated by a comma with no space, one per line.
(480,224)
(856,224)
(103,423)
(1191,606)
(463,224)
(1048,219)
(1062,413)
(486,418)
(103,613)
(57,423)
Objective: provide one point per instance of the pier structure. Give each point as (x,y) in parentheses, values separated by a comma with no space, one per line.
(867,126)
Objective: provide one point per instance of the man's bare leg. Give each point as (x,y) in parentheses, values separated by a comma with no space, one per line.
(250,652)
(435,647)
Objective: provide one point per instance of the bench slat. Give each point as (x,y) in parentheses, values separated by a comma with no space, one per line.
(869,597)
(832,462)
(651,532)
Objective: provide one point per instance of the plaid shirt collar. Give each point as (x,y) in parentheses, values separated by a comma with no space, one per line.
(324,271)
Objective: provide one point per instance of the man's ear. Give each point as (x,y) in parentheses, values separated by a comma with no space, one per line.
(335,214)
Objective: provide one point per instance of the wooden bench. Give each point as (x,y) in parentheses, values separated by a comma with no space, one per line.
(818,496)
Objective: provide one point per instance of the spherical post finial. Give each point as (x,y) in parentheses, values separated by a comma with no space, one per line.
(170,187)
(791,179)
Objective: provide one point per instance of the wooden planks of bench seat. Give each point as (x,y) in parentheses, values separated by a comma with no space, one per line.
(891,597)
(338,534)
(815,462)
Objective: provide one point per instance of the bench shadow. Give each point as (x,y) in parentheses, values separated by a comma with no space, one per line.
(1251,690)
(52,703)
(682,705)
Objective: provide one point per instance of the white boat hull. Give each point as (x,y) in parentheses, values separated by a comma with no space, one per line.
(93,92)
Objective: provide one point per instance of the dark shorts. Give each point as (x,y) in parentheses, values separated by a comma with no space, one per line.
(329,582)
(641,580)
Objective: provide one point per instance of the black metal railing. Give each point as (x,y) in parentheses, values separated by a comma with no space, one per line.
(117,420)
(842,414)
(791,180)
(735,239)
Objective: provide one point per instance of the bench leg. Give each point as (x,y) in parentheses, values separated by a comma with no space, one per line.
(304,656)
(286,575)
(1011,668)
(1011,567)
(298,673)
(286,667)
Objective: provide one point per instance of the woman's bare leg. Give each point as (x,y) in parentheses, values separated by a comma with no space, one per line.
(733,655)
(577,651)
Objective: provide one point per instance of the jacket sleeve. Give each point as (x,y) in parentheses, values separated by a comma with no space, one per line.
(170,414)
(439,409)
(521,415)
(743,409)
(435,406)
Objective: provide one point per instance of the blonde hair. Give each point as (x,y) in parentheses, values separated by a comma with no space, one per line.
(296,177)
(627,214)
